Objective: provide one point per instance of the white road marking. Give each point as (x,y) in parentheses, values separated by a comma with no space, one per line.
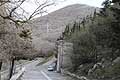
(48,78)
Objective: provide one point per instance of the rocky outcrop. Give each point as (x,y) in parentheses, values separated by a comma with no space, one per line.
(116,61)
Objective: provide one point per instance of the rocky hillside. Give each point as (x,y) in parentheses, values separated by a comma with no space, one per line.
(48,28)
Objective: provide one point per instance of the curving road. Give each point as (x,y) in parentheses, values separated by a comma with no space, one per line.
(34,72)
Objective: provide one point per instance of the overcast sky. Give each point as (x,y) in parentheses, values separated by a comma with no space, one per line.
(95,3)
(29,6)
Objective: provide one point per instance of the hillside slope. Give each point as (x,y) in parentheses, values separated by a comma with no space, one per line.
(44,37)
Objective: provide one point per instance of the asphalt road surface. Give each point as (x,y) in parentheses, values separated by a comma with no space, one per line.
(33,72)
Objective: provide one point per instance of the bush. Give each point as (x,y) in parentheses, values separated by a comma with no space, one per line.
(83,49)
(49,54)
(112,71)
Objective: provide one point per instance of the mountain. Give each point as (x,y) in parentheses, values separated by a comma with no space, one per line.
(48,28)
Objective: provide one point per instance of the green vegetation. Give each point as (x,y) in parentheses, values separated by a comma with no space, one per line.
(95,40)
(46,59)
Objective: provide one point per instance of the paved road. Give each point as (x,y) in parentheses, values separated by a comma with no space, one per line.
(34,72)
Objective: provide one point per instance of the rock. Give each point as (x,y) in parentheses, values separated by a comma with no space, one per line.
(116,61)
(84,78)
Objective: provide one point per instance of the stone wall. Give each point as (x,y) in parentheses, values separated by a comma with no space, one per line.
(67,51)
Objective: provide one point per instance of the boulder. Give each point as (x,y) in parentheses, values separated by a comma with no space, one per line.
(116,61)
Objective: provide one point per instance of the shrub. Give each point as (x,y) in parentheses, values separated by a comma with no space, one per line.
(83,49)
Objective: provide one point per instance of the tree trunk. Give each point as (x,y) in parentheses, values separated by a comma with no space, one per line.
(11,68)
(0,65)
(0,69)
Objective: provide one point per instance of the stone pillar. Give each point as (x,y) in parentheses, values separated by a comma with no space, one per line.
(60,55)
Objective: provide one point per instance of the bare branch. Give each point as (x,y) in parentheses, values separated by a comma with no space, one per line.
(39,9)
(14,6)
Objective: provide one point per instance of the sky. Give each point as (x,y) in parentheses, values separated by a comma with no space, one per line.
(95,3)
(29,6)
